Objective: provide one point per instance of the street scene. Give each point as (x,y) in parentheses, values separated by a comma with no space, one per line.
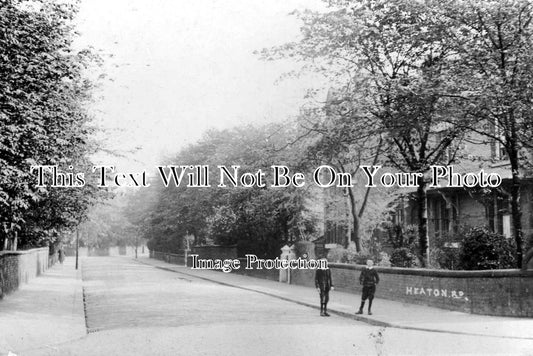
(288,177)
(142,307)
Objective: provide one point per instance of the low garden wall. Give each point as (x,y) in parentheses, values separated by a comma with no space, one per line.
(494,292)
(17,267)
(177,259)
(203,252)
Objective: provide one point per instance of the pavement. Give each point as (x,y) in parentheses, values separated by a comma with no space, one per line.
(48,313)
(386,313)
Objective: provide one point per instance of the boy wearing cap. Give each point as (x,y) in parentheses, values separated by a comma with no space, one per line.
(369,279)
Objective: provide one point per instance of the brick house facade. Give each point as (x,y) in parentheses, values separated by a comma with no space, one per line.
(450,209)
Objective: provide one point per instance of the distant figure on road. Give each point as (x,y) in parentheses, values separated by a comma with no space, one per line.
(368,278)
(61,255)
(323,284)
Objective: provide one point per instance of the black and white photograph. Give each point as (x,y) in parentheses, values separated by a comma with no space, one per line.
(277,177)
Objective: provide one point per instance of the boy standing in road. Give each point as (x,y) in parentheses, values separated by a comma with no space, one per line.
(323,284)
(368,278)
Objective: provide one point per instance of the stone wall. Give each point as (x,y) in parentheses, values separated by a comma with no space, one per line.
(495,292)
(177,259)
(17,267)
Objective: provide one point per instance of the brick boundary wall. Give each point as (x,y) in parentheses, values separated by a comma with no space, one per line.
(17,267)
(492,292)
(203,252)
(177,259)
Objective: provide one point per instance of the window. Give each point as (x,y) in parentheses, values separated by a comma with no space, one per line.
(443,215)
(498,149)
(498,215)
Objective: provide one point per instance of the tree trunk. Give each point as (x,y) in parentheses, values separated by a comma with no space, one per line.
(355,232)
(516,210)
(422,213)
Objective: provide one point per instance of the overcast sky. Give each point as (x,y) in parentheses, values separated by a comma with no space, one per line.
(176,68)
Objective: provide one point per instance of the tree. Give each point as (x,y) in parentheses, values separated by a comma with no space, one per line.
(56,211)
(397,68)
(334,145)
(495,43)
(43,120)
(258,219)
(266,217)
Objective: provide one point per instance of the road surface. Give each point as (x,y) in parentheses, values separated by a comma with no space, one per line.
(136,309)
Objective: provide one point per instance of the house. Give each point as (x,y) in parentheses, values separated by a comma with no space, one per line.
(449,208)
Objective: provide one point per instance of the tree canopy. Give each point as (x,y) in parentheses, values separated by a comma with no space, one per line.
(43,118)
(421,76)
(256,219)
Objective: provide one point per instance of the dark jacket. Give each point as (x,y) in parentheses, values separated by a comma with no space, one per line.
(369,277)
(323,279)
